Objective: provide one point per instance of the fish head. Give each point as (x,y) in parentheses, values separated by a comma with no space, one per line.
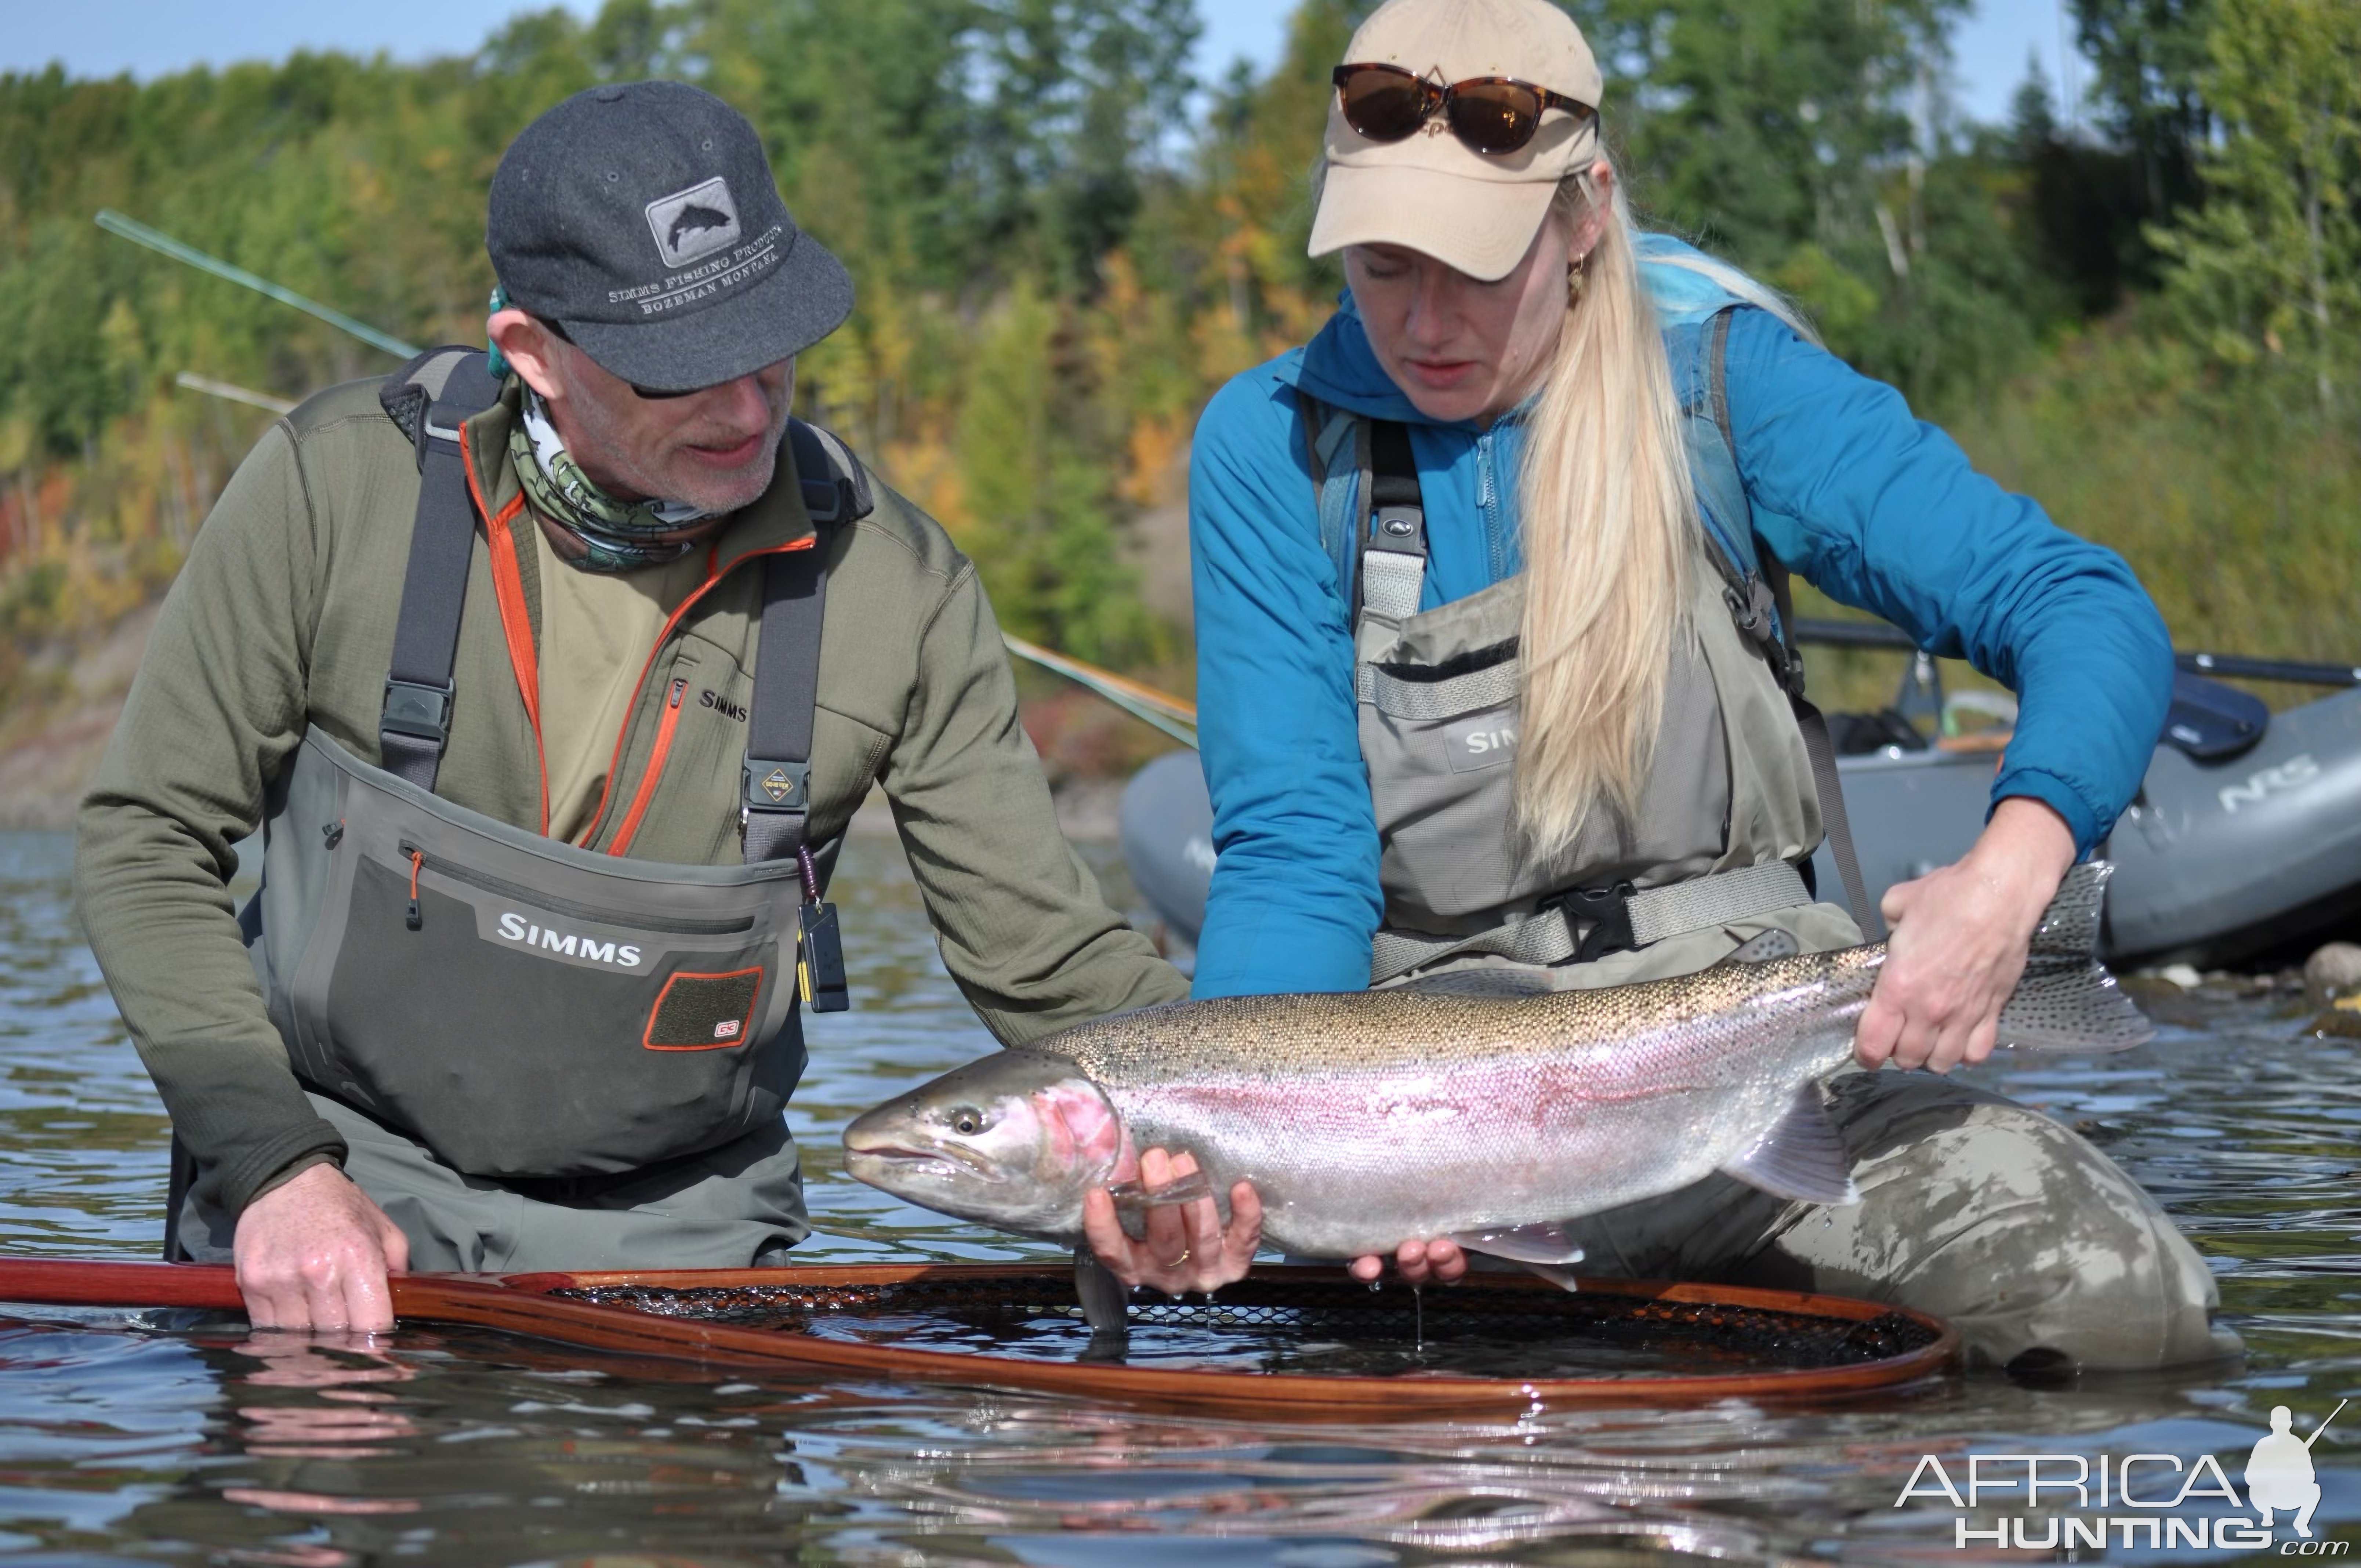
(1013,1140)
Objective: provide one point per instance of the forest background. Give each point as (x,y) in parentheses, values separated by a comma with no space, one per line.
(1063,245)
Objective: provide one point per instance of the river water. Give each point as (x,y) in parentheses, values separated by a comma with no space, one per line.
(151,1437)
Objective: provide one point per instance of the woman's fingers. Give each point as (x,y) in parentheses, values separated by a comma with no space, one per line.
(1181,1246)
(1439,1261)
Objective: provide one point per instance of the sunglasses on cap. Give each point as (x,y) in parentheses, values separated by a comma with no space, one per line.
(1490,115)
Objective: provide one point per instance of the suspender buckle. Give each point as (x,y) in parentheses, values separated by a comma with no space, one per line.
(774,786)
(1610,919)
(1401,529)
(419,708)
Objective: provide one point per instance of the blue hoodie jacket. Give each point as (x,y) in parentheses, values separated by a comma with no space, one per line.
(1877,510)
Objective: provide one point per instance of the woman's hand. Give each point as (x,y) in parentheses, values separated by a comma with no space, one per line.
(1438,1262)
(1183,1246)
(1959,942)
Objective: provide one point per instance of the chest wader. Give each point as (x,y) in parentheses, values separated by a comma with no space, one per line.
(525,1009)
(1713,860)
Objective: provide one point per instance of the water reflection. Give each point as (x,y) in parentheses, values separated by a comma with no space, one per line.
(153,1437)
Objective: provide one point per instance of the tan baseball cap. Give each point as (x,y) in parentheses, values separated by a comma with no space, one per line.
(1431,192)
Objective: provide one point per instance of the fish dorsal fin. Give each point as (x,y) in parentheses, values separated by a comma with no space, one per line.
(1801,1155)
(1542,1244)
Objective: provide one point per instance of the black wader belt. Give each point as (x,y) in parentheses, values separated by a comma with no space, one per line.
(438,391)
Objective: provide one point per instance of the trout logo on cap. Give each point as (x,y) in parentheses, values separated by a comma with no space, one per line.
(694,222)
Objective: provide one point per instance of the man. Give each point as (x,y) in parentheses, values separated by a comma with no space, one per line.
(547,688)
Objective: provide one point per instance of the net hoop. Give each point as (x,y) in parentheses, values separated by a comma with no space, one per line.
(524,1304)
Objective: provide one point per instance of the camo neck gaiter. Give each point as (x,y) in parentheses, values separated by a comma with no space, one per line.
(616,535)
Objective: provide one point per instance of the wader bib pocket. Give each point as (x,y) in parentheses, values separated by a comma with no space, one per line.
(522,1007)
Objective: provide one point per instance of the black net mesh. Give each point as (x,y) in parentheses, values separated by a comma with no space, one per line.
(1332,1326)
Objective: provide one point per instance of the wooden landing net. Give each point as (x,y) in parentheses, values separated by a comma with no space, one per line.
(1017,1325)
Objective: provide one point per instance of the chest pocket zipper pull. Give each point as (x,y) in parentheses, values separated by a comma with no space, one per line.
(819,949)
(411,917)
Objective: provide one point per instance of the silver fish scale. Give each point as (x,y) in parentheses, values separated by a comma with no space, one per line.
(1443,1114)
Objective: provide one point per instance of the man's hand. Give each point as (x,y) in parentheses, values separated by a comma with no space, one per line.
(1183,1246)
(1438,1262)
(1959,942)
(313,1252)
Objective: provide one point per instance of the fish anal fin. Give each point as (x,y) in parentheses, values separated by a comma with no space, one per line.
(1561,1278)
(1530,1245)
(1801,1155)
(1105,1303)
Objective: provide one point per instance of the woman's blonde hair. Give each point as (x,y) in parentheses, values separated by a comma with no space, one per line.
(1607,516)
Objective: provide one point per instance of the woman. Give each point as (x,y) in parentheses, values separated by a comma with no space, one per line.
(1477,700)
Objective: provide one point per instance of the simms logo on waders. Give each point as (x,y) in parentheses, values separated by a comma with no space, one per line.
(2159,1494)
(515,928)
(694,222)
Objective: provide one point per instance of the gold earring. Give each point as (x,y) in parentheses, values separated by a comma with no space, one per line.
(1577,275)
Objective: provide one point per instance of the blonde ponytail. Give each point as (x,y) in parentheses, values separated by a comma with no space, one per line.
(1608,513)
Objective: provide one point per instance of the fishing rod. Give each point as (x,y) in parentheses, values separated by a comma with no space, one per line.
(1877,634)
(233,392)
(2323,1425)
(137,232)
(1150,707)
(1145,703)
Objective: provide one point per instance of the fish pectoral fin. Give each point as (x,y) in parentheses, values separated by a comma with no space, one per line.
(1106,1305)
(1801,1155)
(1542,1244)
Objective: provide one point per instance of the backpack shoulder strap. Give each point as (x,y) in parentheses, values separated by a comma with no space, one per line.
(1757,589)
(1336,448)
(430,399)
(776,800)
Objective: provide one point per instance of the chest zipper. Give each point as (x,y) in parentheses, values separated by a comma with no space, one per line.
(655,770)
(539,900)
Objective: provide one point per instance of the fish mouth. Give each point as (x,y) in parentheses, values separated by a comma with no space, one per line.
(941,1165)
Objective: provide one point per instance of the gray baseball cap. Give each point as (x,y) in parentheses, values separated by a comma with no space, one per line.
(642,218)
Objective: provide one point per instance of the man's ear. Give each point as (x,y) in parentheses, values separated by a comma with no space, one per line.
(528,347)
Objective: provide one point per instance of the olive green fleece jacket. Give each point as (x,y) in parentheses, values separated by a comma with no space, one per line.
(283,618)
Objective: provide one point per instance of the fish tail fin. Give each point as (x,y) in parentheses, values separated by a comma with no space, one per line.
(2065,1002)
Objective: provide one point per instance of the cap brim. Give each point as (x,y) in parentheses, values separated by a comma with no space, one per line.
(1481,227)
(807,296)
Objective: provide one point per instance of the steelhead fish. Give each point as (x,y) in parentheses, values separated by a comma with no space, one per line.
(1367,1118)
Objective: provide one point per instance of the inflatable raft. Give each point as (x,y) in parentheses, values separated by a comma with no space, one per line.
(1300,1343)
(2245,836)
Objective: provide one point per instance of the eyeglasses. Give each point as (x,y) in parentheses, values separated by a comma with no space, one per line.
(1490,115)
(648,394)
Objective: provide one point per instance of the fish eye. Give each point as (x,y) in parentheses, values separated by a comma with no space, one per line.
(967,1120)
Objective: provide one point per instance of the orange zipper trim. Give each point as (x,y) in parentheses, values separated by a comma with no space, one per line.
(649,775)
(656,755)
(516,622)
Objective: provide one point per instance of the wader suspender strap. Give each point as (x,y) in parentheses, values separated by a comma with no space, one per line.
(1763,607)
(430,398)
(779,723)
(1394,547)
(776,799)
